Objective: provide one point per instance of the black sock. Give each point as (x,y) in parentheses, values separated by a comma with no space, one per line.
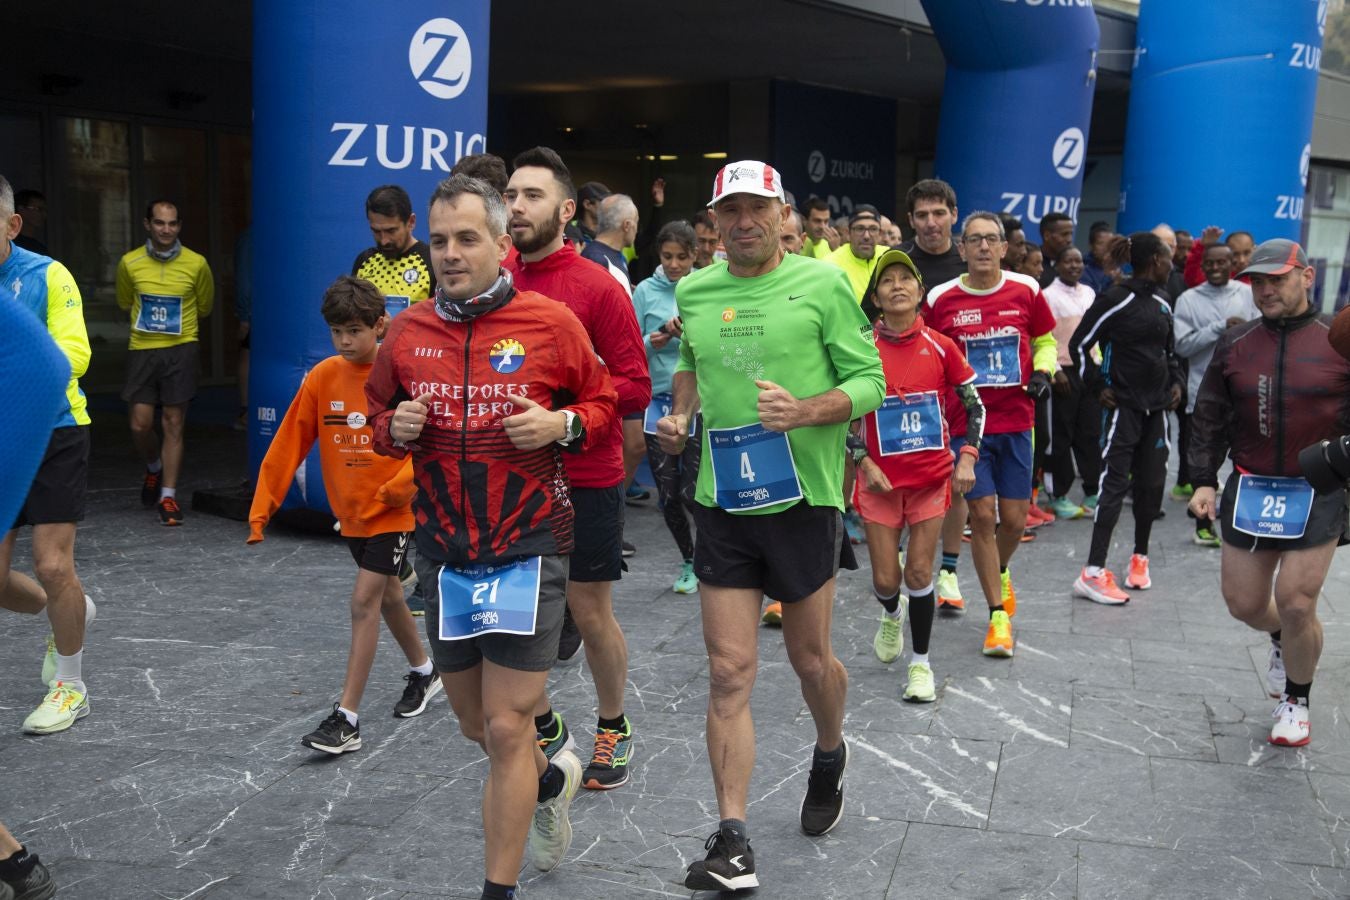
(994,609)
(1275,637)
(949,561)
(18,865)
(611,724)
(494,891)
(551,783)
(828,760)
(1003,570)
(543,720)
(921,620)
(891,603)
(1297,693)
(734,830)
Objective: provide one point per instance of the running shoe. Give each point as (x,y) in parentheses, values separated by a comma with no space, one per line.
(1036,517)
(1099,588)
(729,866)
(687,583)
(59,710)
(823,805)
(334,735)
(551,830)
(919,687)
(773,614)
(1090,503)
(169,512)
(557,739)
(1182,492)
(609,761)
(36,884)
(889,641)
(627,549)
(150,486)
(1205,537)
(998,640)
(1066,509)
(949,593)
(421,688)
(1028,535)
(417,601)
(636,494)
(1275,674)
(1293,727)
(569,640)
(1137,579)
(1007,594)
(854,526)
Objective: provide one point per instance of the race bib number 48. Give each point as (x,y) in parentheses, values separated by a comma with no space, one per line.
(909,424)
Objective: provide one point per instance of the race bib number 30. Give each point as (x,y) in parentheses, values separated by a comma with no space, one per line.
(160,314)
(909,424)
(1272,507)
(484,599)
(752,467)
(997,360)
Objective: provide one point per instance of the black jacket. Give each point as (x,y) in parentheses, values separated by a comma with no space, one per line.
(1131,323)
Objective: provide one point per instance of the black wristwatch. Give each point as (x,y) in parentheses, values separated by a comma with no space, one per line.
(857,447)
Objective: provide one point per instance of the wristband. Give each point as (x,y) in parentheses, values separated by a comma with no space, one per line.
(971,452)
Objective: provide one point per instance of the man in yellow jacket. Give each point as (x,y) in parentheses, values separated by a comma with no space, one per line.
(167,289)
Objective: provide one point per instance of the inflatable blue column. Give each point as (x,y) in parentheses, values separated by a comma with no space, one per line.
(347,95)
(1016,104)
(1221,115)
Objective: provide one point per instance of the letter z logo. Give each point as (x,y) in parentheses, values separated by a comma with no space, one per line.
(440,58)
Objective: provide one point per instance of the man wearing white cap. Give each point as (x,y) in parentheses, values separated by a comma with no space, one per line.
(781,357)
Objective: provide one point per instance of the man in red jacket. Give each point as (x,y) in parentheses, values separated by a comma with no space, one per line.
(540,197)
(487,386)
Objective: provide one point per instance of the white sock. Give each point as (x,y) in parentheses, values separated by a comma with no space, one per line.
(919,658)
(90,610)
(167,492)
(424,669)
(899,612)
(351,716)
(68,669)
(1093,571)
(154,467)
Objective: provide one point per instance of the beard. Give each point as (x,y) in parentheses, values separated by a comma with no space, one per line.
(544,233)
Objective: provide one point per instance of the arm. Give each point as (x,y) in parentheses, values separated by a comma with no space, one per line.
(1191,337)
(1045,354)
(384,392)
(848,339)
(1085,337)
(970,399)
(619,343)
(205,287)
(126,288)
(292,442)
(673,430)
(1176,374)
(1211,422)
(1192,274)
(65,318)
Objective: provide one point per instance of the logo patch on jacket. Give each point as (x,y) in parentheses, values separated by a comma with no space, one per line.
(507,356)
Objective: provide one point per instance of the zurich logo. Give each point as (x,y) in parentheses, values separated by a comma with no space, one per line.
(440,58)
(1068,152)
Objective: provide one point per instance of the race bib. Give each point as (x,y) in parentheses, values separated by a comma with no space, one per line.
(1272,507)
(752,467)
(659,408)
(997,360)
(394,304)
(489,598)
(160,314)
(909,424)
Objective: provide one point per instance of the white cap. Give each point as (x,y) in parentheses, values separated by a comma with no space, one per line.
(748,176)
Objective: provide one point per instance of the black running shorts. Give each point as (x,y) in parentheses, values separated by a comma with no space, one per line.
(162,375)
(598,552)
(380,553)
(58,492)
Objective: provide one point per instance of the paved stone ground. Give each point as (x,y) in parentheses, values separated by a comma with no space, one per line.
(1121,753)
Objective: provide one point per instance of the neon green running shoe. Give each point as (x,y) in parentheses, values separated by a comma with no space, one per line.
(919,688)
(889,641)
(58,710)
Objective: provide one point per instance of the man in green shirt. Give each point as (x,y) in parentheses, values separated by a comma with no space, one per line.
(781,362)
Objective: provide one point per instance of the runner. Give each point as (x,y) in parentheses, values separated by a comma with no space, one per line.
(654,300)
(781,357)
(1003,324)
(1274,386)
(1138,382)
(369,495)
(399,265)
(494,518)
(905,463)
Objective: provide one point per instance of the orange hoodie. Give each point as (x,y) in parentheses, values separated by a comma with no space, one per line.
(369,494)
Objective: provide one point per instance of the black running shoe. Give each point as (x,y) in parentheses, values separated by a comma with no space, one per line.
(421,688)
(729,866)
(170,513)
(150,488)
(334,735)
(35,884)
(557,738)
(569,642)
(824,803)
(609,762)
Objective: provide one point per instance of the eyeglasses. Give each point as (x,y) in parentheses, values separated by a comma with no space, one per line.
(866,229)
(975,240)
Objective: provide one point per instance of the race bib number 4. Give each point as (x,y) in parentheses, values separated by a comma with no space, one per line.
(997,360)
(752,468)
(485,599)
(160,314)
(1272,507)
(909,424)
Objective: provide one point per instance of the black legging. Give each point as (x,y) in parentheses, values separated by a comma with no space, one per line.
(676,477)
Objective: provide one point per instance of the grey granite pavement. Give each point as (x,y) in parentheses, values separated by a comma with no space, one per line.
(1120,754)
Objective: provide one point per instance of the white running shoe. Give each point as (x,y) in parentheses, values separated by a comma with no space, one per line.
(1293,727)
(1275,675)
(551,830)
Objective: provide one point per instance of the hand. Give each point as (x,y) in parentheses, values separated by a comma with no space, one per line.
(675,327)
(778,409)
(963,479)
(873,478)
(1210,235)
(535,427)
(832,237)
(1107,398)
(659,339)
(409,417)
(1174,398)
(1203,504)
(672,433)
(659,192)
(1038,386)
(1234,321)
(1061,384)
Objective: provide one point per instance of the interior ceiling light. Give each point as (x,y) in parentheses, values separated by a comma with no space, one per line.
(718,154)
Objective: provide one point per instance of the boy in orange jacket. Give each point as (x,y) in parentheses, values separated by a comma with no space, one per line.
(370,495)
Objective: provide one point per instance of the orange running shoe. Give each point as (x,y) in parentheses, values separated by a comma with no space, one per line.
(1138,579)
(773,614)
(998,640)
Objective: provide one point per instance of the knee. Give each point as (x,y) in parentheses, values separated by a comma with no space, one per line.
(813,666)
(593,619)
(507,732)
(982,516)
(364,607)
(730,677)
(142,424)
(917,577)
(53,569)
(1297,613)
(1245,605)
